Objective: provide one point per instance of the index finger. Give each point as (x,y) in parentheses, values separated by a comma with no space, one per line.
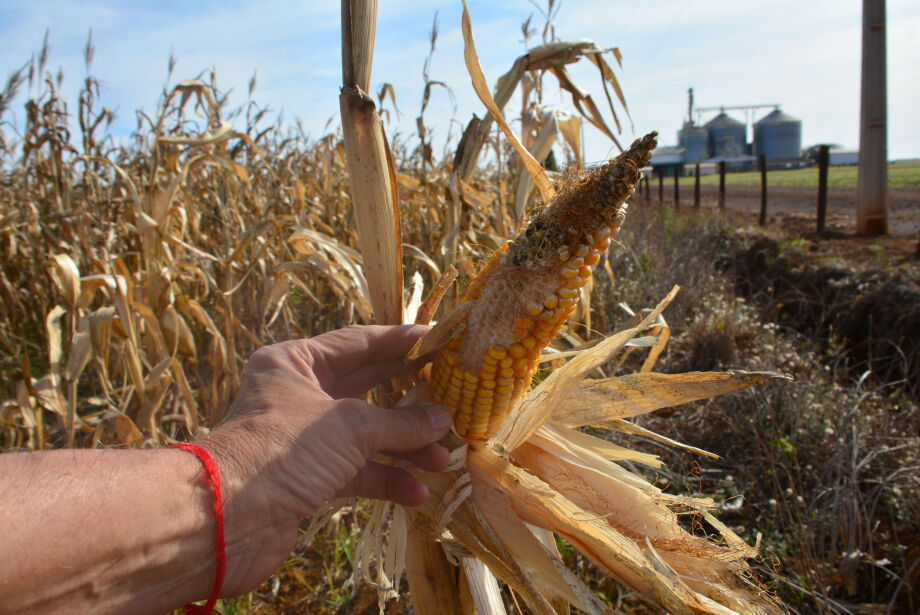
(351,348)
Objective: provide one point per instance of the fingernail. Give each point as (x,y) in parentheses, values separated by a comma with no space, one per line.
(439,417)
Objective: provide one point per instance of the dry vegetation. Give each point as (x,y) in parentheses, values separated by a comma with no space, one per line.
(138,274)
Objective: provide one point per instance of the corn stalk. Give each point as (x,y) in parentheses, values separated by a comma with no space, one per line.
(370,165)
(376,206)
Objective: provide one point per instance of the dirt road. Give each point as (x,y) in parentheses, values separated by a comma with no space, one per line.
(800,203)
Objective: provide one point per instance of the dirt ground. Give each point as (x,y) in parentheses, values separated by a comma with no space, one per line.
(801,203)
(794,210)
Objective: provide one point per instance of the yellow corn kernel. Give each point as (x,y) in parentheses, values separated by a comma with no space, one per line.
(503,389)
(566,293)
(575,283)
(569,273)
(516,350)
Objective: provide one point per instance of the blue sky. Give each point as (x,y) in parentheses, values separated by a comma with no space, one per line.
(802,55)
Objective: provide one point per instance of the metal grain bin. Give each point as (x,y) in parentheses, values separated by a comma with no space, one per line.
(727,137)
(778,136)
(695,140)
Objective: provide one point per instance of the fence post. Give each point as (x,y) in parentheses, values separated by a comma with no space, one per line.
(676,187)
(762,163)
(696,187)
(823,159)
(721,185)
(661,187)
(648,192)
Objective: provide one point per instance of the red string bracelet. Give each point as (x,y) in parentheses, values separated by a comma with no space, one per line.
(213,475)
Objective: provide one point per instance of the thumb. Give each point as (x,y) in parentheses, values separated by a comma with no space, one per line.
(406,429)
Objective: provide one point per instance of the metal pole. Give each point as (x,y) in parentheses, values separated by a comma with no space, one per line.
(661,187)
(823,158)
(721,185)
(872,209)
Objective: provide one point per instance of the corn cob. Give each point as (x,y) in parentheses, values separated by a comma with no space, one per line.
(528,290)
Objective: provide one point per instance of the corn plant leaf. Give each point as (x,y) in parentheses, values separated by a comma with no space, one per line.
(534,168)
(416,253)
(605,449)
(66,277)
(415,298)
(484,586)
(595,401)
(631,428)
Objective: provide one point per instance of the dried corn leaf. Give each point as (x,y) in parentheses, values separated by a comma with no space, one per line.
(605,449)
(190,406)
(475,198)
(632,428)
(80,349)
(663,333)
(582,99)
(534,168)
(423,258)
(126,432)
(570,128)
(484,586)
(595,401)
(66,277)
(302,239)
(49,396)
(55,348)
(540,149)
(177,335)
(415,298)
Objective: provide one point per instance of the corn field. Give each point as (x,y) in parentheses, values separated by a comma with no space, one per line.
(139,273)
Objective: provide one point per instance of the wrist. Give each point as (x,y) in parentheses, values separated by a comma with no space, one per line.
(258,535)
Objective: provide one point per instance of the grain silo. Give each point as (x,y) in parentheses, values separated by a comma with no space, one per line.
(695,141)
(727,137)
(778,136)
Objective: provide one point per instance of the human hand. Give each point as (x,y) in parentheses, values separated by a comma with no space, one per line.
(296,437)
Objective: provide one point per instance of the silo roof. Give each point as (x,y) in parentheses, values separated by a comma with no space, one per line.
(664,155)
(723,119)
(777,117)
